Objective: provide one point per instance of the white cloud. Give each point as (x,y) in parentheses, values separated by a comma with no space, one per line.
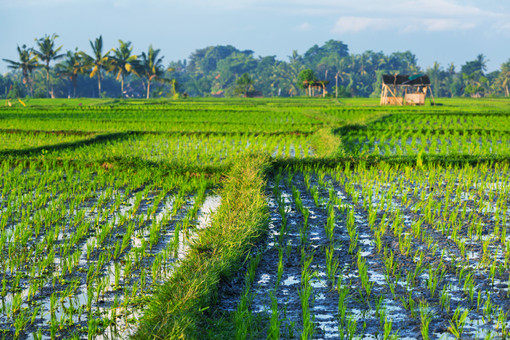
(353,16)
(437,25)
(439,8)
(304,27)
(358,24)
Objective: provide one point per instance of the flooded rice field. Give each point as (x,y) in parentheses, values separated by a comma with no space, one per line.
(378,253)
(81,258)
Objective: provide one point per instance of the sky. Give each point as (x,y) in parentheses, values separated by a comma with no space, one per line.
(435,30)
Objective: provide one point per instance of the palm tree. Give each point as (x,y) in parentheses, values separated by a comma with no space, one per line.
(46,54)
(123,62)
(98,61)
(482,61)
(151,67)
(26,64)
(73,65)
(505,77)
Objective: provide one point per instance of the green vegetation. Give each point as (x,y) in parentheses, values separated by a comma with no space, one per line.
(225,71)
(253,218)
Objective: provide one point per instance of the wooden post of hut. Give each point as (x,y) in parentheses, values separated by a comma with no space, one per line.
(404,89)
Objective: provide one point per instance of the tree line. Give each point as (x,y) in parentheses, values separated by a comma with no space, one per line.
(56,79)
(44,71)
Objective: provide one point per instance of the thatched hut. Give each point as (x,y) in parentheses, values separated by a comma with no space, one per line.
(403,89)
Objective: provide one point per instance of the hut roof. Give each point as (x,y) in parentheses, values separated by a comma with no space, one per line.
(406,80)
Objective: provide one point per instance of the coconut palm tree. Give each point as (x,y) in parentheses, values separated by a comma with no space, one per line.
(46,53)
(151,67)
(505,77)
(71,67)
(98,61)
(26,64)
(123,62)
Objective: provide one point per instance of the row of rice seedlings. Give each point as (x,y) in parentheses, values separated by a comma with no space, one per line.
(276,321)
(197,117)
(308,274)
(407,245)
(411,302)
(373,142)
(464,212)
(244,320)
(192,150)
(364,291)
(444,122)
(58,257)
(175,244)
(159,262)
(300,243)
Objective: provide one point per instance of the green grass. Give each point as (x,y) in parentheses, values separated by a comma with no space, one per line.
(177,309)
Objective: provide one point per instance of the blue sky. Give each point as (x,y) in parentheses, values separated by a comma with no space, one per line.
(442,30)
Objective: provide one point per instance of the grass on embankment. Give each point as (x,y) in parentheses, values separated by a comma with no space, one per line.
(326,144)
(176,310)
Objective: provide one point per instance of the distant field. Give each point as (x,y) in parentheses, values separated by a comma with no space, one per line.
(263,218)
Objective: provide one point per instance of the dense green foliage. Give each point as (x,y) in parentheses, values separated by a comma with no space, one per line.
(217,70)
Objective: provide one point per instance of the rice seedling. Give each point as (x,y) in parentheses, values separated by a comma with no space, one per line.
(458,322)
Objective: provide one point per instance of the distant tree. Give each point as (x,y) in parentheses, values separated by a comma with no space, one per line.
(504,77)
(435,74)
(306,76)
(295,58)
(404,62)
(151,67)
(477,66)
(232,66)
(98,61)
(205,60)
(295,66)
(46,53)
(123,62)
(72,67)
(244,84)
(26,64)
(315,54)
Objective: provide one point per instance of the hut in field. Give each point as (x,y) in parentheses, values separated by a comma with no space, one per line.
(403,89)
(318,86)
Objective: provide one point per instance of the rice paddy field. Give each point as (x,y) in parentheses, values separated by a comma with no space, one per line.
(250,219)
